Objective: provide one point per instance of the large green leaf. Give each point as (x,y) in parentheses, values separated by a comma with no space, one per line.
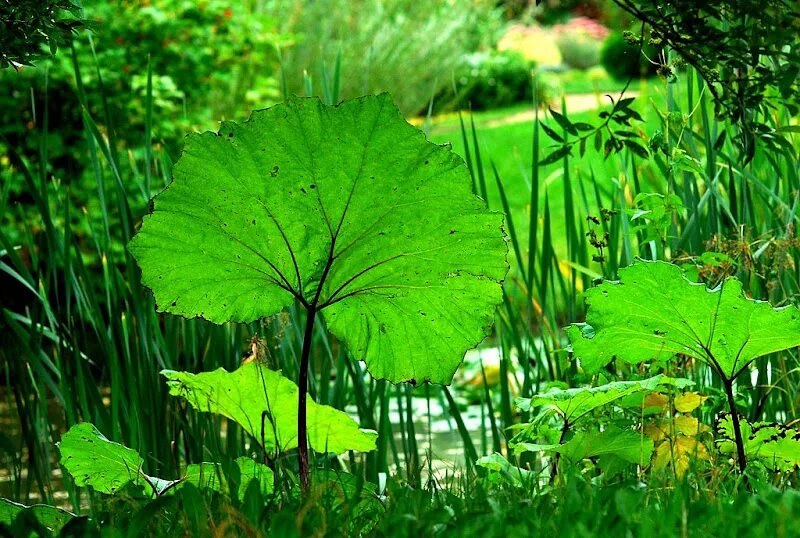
(653,312)
(574,403)
(345,208)
(774,445)
(94,461)
(51,517)
(263,401)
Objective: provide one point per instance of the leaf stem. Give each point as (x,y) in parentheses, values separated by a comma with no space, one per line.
(302,428)
(557,455)
(737,430)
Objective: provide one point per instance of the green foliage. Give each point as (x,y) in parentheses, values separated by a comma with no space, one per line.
(489,80)
(654,313)
(211,476)
(774,445)
(625,60)
(572,404)
(34,29)
(52,518)
(410,49)
(348,210)
(107,467)
(94,461)
(264,403)
(746,51)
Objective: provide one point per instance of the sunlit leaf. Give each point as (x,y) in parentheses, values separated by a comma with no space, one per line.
(689,401)
(572,404)
(264,403)
(653,312)
(347,209)
(94,461)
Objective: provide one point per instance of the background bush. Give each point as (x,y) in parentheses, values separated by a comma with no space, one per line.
(624,60)
(406,47)
(490,80)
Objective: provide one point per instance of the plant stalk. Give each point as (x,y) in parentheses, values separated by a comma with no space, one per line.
(302,428)
(557,455)
(737,430)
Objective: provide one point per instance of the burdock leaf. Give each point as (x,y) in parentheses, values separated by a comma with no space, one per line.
(264,403)
(346,208)
(94,461)
(653,312)
(51,517)
(574,403)
(775,445)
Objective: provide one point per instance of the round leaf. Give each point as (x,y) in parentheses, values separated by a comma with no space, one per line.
(348,210)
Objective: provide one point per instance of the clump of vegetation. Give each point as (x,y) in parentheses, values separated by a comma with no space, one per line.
(625,60)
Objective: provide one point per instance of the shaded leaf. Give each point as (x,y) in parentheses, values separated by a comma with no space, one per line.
(51,517)
(210,476)
(775,445)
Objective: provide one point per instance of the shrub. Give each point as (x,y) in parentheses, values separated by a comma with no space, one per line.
(579,42)
(578,49)
(624,60)
(492,80)
(405,47)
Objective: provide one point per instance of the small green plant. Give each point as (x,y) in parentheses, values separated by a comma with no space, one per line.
(571,405)
(349,213)
(654,313)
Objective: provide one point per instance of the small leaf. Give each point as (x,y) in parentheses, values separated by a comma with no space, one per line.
(630,446)
(572,404)
(551,133)
(680,452)
(637,149)
(263,401)
(582,126)
(556,155)
(689,401)
(502,470)
(625,103)
(94,461)
(210,476)
(564,122)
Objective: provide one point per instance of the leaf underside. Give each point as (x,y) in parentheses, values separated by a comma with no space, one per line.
(653,312)
(346,208)
(264,403)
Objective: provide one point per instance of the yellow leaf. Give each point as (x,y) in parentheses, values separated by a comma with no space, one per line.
(655,399)
(655,432)
(689,401)
(689,426)
(679,453)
